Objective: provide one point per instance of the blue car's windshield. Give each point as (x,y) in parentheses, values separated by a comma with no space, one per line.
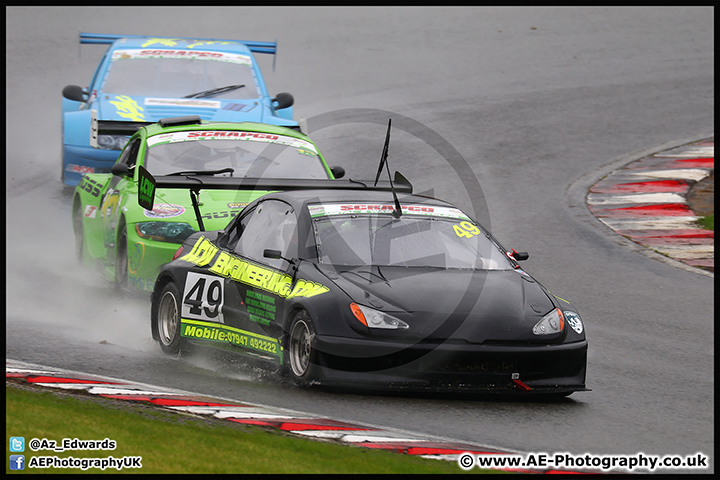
(170,74)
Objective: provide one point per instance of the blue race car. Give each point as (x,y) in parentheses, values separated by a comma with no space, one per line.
(142,79)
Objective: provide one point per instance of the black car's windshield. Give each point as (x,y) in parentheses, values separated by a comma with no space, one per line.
(248,154)
(424,236)
(179,73)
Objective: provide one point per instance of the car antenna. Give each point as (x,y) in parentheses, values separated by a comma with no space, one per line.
(384,163)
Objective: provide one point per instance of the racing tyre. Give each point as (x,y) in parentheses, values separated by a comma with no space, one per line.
(121,260)
(168,321)
(300,343)
(77,222)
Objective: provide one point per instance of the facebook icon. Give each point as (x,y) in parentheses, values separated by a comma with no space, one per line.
(17,462)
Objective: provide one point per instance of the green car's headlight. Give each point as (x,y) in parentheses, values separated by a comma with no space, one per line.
(112,142)
(173,232)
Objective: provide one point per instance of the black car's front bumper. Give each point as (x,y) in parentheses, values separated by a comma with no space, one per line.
(448,366)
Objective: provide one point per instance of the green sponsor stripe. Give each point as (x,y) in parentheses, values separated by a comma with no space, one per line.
(224,333)
(227,327)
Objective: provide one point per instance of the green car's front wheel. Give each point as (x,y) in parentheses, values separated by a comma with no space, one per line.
(77,222)
(121,260)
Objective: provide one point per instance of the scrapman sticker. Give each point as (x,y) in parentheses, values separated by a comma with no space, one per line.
(165,210)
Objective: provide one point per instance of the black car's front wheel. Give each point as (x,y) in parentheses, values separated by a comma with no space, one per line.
(168,320)
(300,347)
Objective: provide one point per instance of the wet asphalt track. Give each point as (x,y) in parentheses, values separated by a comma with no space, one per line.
(535,101)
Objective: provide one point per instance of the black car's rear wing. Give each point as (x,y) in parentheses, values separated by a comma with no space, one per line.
(147,184)
(197,182)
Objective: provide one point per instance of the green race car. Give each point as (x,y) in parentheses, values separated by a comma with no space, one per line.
(220,168)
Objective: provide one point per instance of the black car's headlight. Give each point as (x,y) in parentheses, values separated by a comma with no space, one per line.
(112,142)
(173,232)
(574,320)
(553,322)
(376,319)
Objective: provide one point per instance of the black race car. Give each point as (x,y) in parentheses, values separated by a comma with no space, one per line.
(350,287)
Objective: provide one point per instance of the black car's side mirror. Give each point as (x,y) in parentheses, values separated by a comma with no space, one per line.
(277,254)
(273,254)
(284,100)
(520,256)
(75,93)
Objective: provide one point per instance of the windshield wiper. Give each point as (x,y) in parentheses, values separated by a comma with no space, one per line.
(202,172)
(213,91)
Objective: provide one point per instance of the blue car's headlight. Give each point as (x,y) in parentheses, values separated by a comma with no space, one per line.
(551,323)
(173,232)
(112,142)
(376,319)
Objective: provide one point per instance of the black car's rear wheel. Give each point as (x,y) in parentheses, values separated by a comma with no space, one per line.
(300,347)
(168,320)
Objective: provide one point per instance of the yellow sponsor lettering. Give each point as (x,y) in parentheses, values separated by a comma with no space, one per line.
(304,288)
(202,252)
(128,108)
(172,42)
(237,269)
(229,266)
(283,286)
(250,276)
(220,264)
(235,336)
(211,42)
(168,42)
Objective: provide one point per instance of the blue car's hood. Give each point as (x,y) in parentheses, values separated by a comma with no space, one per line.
(152,109)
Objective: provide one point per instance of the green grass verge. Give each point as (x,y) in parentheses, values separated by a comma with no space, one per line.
(175,443)
(708,222)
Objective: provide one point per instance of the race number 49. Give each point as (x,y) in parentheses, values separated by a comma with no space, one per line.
(203,298)
(466,230)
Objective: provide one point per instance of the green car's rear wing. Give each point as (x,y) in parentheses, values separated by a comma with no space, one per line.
(108,39)
(194,183)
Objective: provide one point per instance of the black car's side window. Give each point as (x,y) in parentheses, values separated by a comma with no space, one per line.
(238,227)
(273,225)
